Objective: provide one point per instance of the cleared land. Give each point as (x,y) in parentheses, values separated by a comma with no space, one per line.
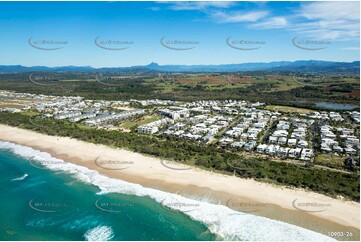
(288,109)
(138,122)
(330,160)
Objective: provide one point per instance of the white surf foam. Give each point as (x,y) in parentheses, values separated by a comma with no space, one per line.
(221,220)
(99,233)
(20,178)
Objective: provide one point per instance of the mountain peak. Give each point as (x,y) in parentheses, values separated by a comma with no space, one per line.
(153,65)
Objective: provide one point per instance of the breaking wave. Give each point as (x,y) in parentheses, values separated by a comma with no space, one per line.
(99,233)
(20,178)
(220,220)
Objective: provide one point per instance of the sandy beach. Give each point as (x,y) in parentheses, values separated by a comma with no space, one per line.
(303,208)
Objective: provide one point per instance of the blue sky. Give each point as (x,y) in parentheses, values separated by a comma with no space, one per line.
(259,31)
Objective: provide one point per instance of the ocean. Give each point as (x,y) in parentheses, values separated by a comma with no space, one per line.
(44,198)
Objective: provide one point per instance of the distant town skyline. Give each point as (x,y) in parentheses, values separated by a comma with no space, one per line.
(116,34)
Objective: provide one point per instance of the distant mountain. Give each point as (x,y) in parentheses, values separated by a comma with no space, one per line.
(296,66)
(19,69)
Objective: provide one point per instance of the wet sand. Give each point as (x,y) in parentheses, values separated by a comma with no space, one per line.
(294,206)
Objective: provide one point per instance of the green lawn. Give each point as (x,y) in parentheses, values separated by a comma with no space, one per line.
(141,121)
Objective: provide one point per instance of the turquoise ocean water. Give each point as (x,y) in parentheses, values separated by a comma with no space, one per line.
(43,198)
(53,205)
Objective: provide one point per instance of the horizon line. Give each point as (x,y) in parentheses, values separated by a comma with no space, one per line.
(144,65)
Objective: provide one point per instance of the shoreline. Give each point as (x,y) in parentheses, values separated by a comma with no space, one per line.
(266,200)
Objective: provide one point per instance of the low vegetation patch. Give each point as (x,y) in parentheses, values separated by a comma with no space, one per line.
(288,109)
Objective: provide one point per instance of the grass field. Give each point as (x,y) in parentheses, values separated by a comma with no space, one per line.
(141,121)
(30,113)
(287,109)
(330,160)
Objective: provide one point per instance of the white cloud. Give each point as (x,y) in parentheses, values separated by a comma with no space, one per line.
(198,5)
(235,17)
(329,20)
(217,11)
(331,10)
(315,20)
(351,48)
(272,23)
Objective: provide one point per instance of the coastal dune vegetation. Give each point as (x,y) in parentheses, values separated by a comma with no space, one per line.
(330,182)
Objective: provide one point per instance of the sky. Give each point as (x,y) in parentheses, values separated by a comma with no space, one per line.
(110,34)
